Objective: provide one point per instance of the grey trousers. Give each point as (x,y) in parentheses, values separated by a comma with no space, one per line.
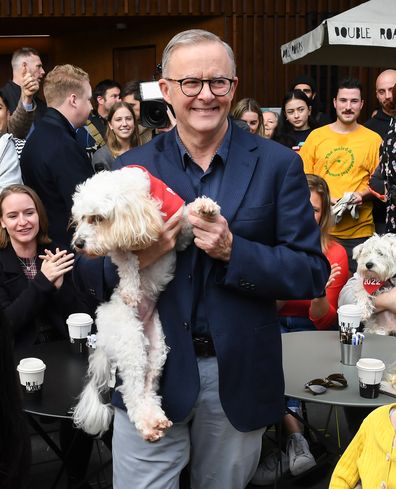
(220,456)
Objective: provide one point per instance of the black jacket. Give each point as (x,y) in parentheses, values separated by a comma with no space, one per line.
(29,303)
(379,123)
(53,163)
(12,93)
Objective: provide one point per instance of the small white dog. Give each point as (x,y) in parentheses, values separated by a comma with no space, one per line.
(117,213)
(376,266)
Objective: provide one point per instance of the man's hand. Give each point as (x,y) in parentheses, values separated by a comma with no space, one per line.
(212,235)
(165,243)
(357,198)
(386,301)
(29,87)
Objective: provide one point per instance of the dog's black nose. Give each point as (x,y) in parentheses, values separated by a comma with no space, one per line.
(369,265)
(79,243)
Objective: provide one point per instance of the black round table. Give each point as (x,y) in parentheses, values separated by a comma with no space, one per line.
(63,379)
(63,382)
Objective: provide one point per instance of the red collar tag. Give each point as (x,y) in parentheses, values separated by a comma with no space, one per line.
(371,285)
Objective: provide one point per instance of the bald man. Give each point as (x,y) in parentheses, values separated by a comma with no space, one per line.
(380,124)
(383,89)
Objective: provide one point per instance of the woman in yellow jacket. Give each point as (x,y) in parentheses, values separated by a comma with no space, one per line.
(370,458)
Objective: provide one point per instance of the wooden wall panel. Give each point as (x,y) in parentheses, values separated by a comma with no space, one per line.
(96,56)
(279,23)
(21,8)
(86,32)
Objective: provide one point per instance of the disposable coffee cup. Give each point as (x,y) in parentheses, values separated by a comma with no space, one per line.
(31,375)
(370,371)
(79,325)
(350,315)
(350,354)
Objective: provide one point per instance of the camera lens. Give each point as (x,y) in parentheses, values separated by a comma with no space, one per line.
(153,114)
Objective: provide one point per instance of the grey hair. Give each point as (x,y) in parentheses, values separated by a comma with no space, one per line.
(272,112)
(191,37)
(21,54)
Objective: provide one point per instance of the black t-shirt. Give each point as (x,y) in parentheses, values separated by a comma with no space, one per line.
(379,123)
(292,139)
(300,136)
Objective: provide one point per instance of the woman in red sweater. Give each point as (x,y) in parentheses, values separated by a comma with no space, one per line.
(319,313)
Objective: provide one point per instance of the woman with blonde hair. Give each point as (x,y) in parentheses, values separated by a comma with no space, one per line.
(248,110)
(122,135)
(36,292)
(319,313)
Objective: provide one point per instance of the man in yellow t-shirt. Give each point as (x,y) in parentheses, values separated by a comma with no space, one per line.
(345,154)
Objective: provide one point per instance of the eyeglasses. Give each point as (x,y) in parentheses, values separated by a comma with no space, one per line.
(319,386)
(191,87)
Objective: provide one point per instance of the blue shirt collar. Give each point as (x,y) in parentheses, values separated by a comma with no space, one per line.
(222,150)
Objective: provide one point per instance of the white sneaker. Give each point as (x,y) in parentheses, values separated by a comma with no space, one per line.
(300,457)
(267,472)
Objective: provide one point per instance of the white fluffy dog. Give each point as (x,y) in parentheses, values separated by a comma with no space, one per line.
(376,265)
(116,213)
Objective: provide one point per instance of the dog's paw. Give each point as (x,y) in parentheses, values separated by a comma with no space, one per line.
(205,207)
(153,430)
(128,299)
(151,421)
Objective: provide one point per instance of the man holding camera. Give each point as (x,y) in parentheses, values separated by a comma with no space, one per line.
(222,382)
(151,111)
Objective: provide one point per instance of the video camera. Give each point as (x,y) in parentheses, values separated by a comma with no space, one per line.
(153,108)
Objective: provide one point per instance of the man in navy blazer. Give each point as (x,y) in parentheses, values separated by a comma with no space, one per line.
(223,381)
(52,161)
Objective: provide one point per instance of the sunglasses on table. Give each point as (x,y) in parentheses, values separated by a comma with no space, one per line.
(319,386)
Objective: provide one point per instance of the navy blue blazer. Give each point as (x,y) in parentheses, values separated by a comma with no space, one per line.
(276,254)
(53,163)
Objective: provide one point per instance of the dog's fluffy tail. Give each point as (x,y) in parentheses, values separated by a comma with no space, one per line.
(90,413)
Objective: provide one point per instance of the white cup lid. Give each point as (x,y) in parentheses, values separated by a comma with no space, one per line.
(372,364)
(349,309)
(79,318)
(31,365)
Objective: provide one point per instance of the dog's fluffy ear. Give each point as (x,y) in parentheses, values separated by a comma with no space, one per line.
(137,222)
(356,251)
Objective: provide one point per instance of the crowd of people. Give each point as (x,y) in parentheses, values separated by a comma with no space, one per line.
(296,191)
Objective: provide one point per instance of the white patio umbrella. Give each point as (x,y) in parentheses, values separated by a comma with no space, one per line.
(362,36)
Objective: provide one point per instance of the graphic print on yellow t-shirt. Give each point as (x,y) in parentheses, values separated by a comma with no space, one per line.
(339,161)
(346,162)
